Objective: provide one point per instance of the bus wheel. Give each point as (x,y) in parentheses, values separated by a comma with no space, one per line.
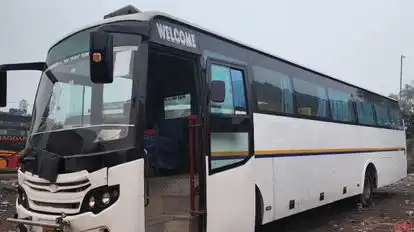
(368,191)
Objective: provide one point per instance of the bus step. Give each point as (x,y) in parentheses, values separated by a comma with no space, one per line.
(172,223)
(173,204)
(170,185)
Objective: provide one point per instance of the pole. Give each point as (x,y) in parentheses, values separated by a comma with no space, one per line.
(401,74)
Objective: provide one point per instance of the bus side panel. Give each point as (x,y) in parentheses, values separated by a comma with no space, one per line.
(395,163)
(230,199)
(312,157)
(264,181)
(348,170)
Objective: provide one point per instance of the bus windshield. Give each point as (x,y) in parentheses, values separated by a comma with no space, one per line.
(67,100)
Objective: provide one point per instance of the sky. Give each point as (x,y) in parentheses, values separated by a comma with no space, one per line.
(357,41)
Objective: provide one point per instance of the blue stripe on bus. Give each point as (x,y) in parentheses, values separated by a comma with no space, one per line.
(268,154)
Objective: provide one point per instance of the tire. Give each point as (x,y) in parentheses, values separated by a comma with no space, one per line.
(368,190)
(259,214)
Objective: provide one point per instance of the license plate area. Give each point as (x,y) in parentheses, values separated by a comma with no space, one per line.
(51,229)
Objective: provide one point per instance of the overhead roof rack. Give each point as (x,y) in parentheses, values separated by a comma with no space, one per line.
(126,10)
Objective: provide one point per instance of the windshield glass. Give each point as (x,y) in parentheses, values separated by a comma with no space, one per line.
(69,106)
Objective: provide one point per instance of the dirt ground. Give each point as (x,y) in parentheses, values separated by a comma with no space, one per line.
(392,204)
(7,200)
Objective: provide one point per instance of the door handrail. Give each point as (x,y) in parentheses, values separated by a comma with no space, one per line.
(192,125)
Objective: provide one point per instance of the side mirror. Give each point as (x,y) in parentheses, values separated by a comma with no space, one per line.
(101,57)
(218,91)
(3,88)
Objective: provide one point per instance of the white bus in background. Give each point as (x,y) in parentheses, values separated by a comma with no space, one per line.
(244,138)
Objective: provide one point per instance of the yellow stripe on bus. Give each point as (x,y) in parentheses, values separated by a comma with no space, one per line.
(229,153)
(286,152)
(335,150)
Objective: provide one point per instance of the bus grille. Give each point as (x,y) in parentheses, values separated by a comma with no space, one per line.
(57,205)
(55,198)
(72,187)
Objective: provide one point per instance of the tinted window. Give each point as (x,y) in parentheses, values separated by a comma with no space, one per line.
(381,112)
(238,90)
(365,109)
(395,116)
(341,104)
(311,99)
(274,83)
(273,90)
(222,73)
(77,43)
(235,98)
(177,106)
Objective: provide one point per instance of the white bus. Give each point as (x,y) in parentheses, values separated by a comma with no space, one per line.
(259,138)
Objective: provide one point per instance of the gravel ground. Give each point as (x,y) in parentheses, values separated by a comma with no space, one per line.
(7,200)
(393,204)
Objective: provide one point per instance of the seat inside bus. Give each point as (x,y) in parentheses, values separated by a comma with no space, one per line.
(170,97)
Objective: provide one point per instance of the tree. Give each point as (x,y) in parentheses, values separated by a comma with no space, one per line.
(407,106)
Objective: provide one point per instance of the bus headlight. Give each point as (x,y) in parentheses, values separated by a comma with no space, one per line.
(106,198)
(91,202)
(100,198)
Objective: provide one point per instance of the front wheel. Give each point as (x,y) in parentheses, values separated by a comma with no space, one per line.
(368,192)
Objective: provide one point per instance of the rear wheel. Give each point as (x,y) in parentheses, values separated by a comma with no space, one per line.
(368,191)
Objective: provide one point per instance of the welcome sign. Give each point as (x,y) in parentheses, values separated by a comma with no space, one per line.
(175,36)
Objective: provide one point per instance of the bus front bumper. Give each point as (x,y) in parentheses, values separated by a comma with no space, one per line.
(28,221)
(23,223)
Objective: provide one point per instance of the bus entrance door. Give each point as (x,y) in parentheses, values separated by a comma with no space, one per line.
(229,180)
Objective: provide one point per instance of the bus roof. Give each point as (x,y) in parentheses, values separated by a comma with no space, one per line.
(149,15)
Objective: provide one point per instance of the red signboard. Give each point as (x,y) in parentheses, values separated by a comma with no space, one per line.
(12,138)
(9,159)
(13,135)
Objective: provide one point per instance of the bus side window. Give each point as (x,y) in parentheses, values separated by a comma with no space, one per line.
(239,95)
(235,98)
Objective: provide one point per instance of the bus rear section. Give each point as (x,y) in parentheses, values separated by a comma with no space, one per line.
(320,140)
